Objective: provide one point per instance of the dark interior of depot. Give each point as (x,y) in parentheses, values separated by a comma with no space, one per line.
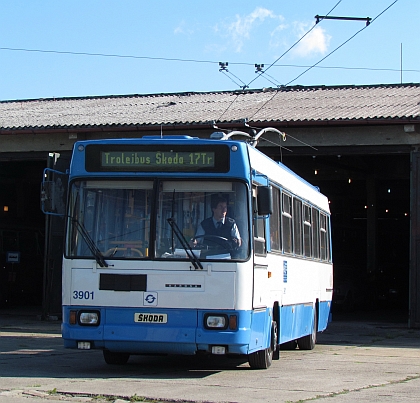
(371,261)
(22,230)
(370,214)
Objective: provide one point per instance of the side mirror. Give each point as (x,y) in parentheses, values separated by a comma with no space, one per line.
(47,197)
(264,200)
(53,193)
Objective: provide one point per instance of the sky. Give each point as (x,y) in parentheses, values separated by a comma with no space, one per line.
(78,48)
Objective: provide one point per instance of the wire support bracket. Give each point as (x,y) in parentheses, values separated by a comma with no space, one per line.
(330,17)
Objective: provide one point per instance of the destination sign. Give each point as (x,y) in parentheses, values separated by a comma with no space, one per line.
(160,158)
(157,159)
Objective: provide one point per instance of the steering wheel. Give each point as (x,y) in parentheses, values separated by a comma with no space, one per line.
(112,251)
(225,243)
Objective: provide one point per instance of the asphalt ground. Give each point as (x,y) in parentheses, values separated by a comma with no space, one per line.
(360,358)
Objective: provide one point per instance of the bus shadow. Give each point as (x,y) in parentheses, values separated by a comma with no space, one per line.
(61,364)
(30,347)
(40,356)
(174,367)
(34,349)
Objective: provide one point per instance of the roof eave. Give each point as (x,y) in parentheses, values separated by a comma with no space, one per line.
(208,125)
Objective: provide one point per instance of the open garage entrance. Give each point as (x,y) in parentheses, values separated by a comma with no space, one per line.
(22,233)
(370,205)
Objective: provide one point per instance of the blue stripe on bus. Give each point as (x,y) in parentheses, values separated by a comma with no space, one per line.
(295,321)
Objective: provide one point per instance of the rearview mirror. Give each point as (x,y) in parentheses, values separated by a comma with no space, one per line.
(264,200)
(53,193)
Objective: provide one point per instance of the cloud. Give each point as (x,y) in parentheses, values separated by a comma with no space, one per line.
(277,37)
(183,28)
(316,42)
(239,31)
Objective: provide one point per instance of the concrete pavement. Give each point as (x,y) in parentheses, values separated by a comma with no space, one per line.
(355,360)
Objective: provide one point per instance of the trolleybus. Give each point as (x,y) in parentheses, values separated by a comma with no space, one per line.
(137,278)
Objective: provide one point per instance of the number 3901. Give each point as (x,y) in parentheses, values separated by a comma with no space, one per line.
(82,294)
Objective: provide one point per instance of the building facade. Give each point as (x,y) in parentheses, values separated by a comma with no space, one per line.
(359,144)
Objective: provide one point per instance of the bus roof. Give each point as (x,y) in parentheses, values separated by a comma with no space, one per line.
(287,179)
(277,172)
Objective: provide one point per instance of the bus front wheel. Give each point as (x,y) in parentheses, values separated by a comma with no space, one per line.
(263,359)
(115,358)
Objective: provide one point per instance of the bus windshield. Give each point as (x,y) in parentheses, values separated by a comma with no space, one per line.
(114,216)
(122,220)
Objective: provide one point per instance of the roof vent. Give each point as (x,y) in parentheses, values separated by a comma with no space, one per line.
(169,137)
(217,135)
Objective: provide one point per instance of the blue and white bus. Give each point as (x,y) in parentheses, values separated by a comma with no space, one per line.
(134,283)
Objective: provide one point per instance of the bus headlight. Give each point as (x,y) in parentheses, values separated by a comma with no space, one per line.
(212,321)
(89,318)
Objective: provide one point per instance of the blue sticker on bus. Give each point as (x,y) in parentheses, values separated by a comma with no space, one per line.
(150,298)
(284,271)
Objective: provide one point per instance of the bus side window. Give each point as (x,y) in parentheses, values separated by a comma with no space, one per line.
(275,221)
(323,236)
(259,231)
(297,226)
(327,239)
(315,232)
(307,231)
(286,222)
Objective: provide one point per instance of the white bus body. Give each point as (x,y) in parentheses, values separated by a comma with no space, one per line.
(141,288)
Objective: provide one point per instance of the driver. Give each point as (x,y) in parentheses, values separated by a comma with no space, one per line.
(218,224)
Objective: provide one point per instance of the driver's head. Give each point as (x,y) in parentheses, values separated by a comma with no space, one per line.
(219,207)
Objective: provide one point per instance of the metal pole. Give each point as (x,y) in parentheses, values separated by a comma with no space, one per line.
(401,62)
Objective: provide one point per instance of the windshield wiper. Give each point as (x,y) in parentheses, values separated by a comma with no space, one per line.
(191,255)
(99,257)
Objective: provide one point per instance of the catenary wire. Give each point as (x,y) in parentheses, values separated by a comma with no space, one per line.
(166,59)
(284,53)
(291,47)
(230,78)
(325,57)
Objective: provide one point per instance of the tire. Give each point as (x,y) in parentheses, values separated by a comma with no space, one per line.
(276,322)
(112,358)
(263,359)
(275,347)
(308,342)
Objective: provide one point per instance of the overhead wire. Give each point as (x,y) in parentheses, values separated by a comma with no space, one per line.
(282,55)
(340,46)
(166,59)
(272,80)
(231,79)
(275,94)
(291,47)
(348,68)
(281,147)
(229,73)
(325,57)
(60,52)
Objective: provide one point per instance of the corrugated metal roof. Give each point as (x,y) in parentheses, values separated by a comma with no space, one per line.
(290,104)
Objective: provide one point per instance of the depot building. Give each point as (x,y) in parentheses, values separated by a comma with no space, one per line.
(359,144)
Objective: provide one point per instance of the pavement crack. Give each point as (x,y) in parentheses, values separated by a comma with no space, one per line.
(347,391)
